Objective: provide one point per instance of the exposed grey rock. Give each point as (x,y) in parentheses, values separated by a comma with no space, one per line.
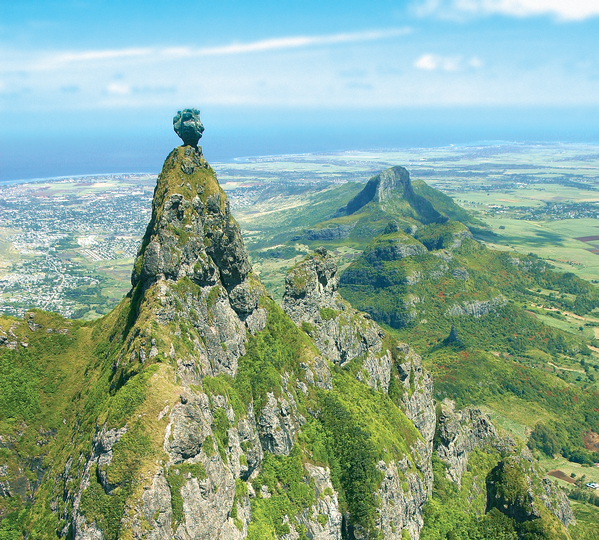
(402,496)
(556,501)
(395,249)
(318,374)
(157,509)
(201,242)
(414,278)
(188,428)
(243,298)
(340,332)
(477,308)
(462,431)
(277,426)
(256,321)
(522,502)
(248,437)
(418,403)
(440,271)
(327,505)
(461,273)
(336,232)
(188,126)
(101,457)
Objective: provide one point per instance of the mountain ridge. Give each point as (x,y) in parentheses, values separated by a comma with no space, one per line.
(199,408)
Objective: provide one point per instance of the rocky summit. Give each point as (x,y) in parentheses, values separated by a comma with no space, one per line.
(200,409)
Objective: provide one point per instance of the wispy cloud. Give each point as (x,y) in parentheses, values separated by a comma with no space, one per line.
(48,61)
(565,10)
(433,62)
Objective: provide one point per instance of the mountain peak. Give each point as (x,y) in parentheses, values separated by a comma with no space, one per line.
(390,185)
(192,232)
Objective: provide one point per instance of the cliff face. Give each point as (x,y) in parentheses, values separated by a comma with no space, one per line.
(513,481)
(192,239)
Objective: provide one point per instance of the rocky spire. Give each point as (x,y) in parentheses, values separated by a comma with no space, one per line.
(192,265)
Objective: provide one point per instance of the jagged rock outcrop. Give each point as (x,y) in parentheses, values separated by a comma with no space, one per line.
(517,488)
(417,397)
(103,443)
(398,245)
(327,507)
(477,308)
(460,432)
(332,232)
(341,333)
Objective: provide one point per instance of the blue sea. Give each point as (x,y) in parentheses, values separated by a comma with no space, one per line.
(117,142)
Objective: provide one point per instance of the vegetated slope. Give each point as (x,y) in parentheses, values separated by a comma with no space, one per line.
(198,409)
(439,281)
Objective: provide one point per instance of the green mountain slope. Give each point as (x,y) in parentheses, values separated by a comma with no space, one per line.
(197,408)
(439,281)
(388,196)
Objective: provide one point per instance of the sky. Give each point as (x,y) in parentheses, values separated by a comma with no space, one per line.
(92,86)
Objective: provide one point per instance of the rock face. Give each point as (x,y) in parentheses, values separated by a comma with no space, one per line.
(417,397)
(341,333)
(100,459)
(477,308)
(517,488)
(460,432)
(193,236)
(188,126)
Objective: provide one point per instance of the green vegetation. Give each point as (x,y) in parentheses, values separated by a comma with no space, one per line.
(177,477)
(327,314)
(284,478)
(352,459)
(106,510)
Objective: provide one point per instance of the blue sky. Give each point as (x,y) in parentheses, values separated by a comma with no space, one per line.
(305,71)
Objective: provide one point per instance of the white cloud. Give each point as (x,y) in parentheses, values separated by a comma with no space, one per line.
(433,62)
(118,89)
(565,10)
(45,62)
